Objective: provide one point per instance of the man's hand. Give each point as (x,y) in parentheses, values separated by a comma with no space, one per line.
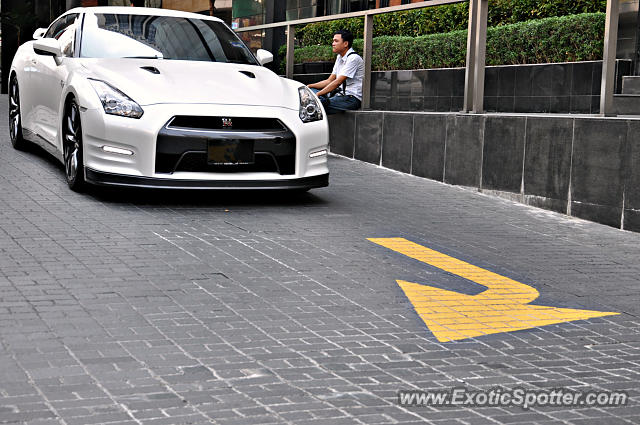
(322,84)
(337,82)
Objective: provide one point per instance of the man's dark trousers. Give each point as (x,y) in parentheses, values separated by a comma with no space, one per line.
(339,103)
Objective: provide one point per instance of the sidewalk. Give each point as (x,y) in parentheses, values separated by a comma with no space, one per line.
(140,307)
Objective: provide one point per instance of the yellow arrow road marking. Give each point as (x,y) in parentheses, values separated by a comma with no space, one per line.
(503,307)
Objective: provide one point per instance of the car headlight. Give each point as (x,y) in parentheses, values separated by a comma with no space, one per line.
(114,101)
(310,109)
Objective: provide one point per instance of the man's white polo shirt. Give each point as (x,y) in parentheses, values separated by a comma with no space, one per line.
(352,67)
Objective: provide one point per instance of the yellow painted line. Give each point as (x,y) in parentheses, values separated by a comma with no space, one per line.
(503,307)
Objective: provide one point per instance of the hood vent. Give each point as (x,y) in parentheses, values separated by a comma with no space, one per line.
(151,69)
(248,74)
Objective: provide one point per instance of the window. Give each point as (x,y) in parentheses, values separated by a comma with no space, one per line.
(107,35)
(57,27)
(344,6)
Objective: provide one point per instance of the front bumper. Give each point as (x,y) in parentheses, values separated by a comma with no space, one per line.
(107,179)
(141,137)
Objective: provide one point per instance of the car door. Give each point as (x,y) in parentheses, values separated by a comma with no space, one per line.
(49,76)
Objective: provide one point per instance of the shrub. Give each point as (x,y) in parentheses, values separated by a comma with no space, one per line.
(447,18)
(321,33)
(558,39)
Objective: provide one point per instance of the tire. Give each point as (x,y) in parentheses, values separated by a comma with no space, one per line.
(15,117)
(72,146)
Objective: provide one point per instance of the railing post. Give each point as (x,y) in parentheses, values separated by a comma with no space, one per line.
(476,52)
(481,49)
(366,55)
(471,58)
(291,33)
(607,86)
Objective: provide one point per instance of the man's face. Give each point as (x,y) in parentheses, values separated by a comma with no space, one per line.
(339,45)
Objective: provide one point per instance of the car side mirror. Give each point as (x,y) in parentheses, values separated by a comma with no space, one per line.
(39,33)
(264,56)
(48,47)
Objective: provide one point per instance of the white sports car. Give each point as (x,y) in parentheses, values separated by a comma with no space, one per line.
(159,98)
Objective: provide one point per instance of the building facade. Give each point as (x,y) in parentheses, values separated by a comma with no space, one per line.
(247,13)
(218,8)
(253,12)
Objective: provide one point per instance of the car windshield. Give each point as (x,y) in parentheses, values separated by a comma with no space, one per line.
(109,35)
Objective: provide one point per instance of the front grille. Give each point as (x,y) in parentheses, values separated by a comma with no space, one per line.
(184,147)
(218,123)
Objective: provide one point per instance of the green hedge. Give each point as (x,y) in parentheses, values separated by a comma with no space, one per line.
(558,39)
(447,18)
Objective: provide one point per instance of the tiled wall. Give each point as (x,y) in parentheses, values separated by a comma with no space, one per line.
(585,167)
(300,9)
(558,88)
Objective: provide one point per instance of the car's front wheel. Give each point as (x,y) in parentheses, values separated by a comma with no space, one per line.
(72,146)
(15,118)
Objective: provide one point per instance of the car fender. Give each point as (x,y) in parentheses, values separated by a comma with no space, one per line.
(294,86)
(78,86)
(19,60)
(21,66)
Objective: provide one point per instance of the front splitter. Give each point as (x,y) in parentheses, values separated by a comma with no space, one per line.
(108,179)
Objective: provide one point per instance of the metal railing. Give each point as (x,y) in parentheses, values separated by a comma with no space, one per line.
(476,49)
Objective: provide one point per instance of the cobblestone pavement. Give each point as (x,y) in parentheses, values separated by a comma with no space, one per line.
(257,308)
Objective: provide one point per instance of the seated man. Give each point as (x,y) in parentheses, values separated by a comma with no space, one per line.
(343,89)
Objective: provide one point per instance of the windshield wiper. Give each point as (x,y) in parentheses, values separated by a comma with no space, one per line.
(143,57)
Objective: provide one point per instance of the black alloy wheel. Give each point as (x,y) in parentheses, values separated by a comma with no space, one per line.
(15,118)
(72,146)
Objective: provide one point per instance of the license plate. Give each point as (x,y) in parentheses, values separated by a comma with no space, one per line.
(230,152)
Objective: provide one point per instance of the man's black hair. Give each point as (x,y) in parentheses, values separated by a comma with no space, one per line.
(346,36)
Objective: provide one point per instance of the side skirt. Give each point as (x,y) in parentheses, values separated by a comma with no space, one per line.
(36,139)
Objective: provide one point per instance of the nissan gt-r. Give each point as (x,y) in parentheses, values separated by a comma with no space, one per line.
(159,98)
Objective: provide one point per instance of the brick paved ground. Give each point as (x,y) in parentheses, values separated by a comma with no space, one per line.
(188,308)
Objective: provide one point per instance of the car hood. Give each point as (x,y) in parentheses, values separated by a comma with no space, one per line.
(193,82)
